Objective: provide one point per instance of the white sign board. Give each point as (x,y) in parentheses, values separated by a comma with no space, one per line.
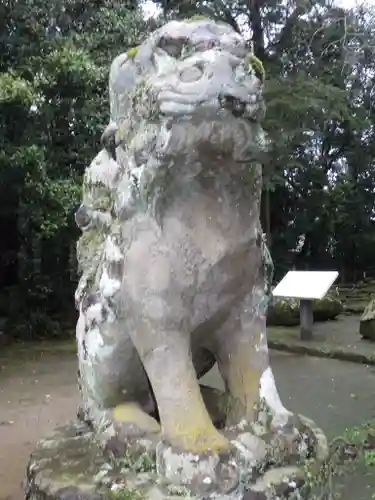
(305,284)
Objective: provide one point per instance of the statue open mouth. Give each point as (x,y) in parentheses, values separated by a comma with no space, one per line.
(201,121)
(207,136)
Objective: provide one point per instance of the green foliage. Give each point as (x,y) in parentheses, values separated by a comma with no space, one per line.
(54,63)
(360,434)
(139,464)
(320,121)
(15,89)
(362,439)
(369,457)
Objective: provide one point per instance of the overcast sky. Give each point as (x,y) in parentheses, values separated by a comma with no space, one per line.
(149,7)
(351,3)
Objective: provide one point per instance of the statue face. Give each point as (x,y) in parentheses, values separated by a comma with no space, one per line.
(193,91)
(204,73)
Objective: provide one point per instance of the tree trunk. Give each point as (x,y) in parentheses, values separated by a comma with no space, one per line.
(257,28)
(267,216)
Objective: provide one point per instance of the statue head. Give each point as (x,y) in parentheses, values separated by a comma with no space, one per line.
(191,97)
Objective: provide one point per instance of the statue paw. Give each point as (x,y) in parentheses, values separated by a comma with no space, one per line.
(252,449)
(291,438)
(128,428)
(201,473)
(288,422)
(261,445)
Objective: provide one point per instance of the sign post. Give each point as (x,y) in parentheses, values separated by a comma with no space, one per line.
(306,316)
(306,286)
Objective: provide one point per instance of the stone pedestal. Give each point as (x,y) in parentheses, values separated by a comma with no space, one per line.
(69,465)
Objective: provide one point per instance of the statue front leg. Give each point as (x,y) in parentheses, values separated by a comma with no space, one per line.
(243,361)
(166,356)
(115,393)
(193,452)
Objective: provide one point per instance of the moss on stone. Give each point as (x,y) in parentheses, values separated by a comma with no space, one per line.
(132,52)
(125,494)
(257,66)
(285,312)
(327,308)
(91,240)
(102,202)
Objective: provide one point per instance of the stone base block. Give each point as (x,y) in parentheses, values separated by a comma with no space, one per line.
(367,330)
(69,465)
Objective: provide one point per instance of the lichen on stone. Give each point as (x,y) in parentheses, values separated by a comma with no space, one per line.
(125,494)
(137,464)
(178,491)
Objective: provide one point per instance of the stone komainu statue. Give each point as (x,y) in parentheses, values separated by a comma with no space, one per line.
(174,268)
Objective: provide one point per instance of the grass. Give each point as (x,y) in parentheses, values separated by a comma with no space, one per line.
(362,438)
(283,332)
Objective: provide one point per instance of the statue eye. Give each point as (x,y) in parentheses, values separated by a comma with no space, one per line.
(173,46)
(192,74)
(204,45)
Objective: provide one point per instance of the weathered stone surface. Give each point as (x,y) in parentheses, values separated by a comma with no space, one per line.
(367,322)
(68,465)
(207,474)
(64,465)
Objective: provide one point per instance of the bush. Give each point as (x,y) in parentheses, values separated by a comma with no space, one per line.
(285,312)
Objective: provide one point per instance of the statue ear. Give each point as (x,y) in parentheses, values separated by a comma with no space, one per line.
(108,139)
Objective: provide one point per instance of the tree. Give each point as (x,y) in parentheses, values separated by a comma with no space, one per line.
(319,170)
(54,62)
